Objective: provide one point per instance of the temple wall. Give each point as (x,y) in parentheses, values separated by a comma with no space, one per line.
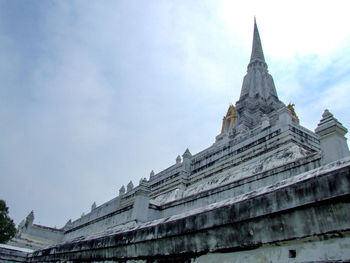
(241,186)
(303,250)
(13,254)
(304,219)
(256,144)
(119,216)
(44,232)
(34,236)
(117,211)
(112,214)
(100,211)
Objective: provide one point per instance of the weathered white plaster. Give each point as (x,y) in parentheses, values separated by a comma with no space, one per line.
(331,250)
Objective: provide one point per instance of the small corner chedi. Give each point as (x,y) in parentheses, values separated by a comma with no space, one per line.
(267,190)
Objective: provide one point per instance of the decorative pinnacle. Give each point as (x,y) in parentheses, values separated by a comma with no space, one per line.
(257,52)
(326,114)
(187,154)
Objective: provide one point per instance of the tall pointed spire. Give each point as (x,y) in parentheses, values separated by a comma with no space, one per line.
(257,51)
(258,94)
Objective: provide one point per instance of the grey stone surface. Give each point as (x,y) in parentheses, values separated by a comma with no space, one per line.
(13,254)
(301,250)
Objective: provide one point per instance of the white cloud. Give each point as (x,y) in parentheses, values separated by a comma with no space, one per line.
(290,28)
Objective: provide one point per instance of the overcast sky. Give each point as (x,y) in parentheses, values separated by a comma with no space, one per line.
(94,94)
